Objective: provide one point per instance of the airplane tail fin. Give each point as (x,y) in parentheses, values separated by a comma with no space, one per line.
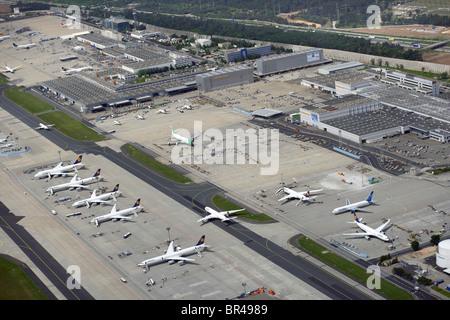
(63,69)
(15,45)
(356,218)
(138,203)
(97,173)
(369,198)
(307,194)
(201,241)
(78,159)
(116,188)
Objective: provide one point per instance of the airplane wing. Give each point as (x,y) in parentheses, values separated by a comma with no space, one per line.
(231,211)
(285,197)
(181,259)
(227,218)
(205,218)
(357,234)
(380,228)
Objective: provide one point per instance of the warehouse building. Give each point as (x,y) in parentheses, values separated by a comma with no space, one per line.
(244,53)
(290,61)
(224,78)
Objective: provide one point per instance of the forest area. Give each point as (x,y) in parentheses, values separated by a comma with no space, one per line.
(347,13)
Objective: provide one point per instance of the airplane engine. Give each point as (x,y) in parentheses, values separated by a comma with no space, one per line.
(78,189)
(180,263)
(367,237)
(171,262)
(71,188)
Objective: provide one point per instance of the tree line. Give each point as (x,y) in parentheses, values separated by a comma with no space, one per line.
(269,33)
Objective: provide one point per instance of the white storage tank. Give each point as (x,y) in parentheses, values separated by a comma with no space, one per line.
(443,254)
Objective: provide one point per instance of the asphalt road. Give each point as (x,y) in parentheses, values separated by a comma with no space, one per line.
(196,197)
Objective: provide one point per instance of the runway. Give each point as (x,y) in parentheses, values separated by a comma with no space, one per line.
(196,197)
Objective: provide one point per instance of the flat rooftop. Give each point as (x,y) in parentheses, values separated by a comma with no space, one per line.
(412,101)
(385,118)
(339,103)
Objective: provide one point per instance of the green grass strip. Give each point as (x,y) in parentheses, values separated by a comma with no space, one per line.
(27,101)
(351,269)
(156,165)
(70,126)
(15,283)
(227,205)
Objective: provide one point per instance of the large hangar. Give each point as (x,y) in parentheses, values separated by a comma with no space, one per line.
(224,78)
(290,61)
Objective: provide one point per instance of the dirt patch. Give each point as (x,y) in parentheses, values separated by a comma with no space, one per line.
(437,57)
(416,31)
(287,17)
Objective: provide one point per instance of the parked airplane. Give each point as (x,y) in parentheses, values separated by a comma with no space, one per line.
(291,194)
(98,199)
(44,126)
(354,206)
(368,231)
(75,183)
(223,215)
(173,255)
(74,70)
(180,139)
(116,123)
(165,111)
(121,215)
(140,117)
(24,46)
(7,145)
(60,170)
(4,139)
(4,37)
(9,69)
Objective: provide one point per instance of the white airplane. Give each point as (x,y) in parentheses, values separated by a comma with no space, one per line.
(291,194)
(6,145)
(223,215)
(24,46)
(121,215)
(354,206)
(4,139)
(172,255)
(139,117)
(117,123)
(164,111)
(75,70)
(180,139)
(4,37)
(368,231)
(75,183)
(60,170)
(9,69)
(44,126)
(98,199)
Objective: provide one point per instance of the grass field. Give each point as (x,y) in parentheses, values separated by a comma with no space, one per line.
(70,127)
(27,101)
(354,271)
(156,165)
(226,205)
(3,80)
(16,285)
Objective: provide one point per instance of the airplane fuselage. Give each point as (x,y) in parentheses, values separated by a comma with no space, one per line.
(60,171)
(354,206)
(170,257)
(99,198)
